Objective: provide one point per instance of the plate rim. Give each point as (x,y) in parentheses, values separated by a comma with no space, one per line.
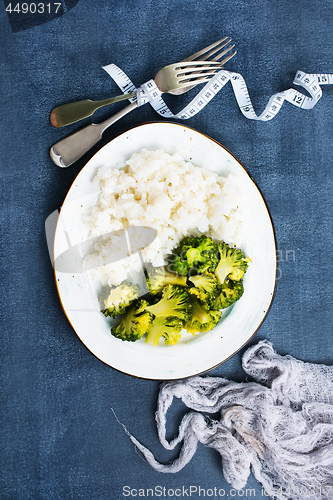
(273,294)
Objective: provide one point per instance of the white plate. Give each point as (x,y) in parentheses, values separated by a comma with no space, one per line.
(195,354)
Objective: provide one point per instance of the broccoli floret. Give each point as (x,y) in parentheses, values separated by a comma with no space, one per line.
(135,322)
(194,252)
(103,294)
(201,250)
(172,336)
(232,263)
(168,327)
(203,319)
(230,293)
(170,314)
(206,287)
(120,298)
(159,277)
(174,302)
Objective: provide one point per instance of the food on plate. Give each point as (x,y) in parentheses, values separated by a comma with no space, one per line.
(164,192)
(135,323)
(200,251)
(170,314)
(192,301)
(117,300)
(206,287)
(231,291)
(232,263)
(192,270)
(203,318)
(159,277)
(168,327)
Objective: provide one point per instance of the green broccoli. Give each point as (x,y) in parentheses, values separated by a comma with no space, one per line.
(230,293)
(204,278)
(159,277)
(203,319)
(170,314)
(135,322)
(232,263)
(168,327)
(104,293)
(206,287)
(201,250)
(174,302)
(119,298)
(194,252)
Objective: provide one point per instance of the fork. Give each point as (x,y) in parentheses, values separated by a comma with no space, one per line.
(72,112)
(168,79)
(206,53)
(68,150)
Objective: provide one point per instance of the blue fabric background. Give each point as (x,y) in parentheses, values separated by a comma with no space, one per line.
(59,438)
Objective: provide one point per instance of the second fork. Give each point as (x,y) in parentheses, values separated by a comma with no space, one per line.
(168,79)
(68,150)
(72,112)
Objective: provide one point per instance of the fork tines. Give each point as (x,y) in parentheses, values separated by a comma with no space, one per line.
(196,65)
(215,48)
(197,72)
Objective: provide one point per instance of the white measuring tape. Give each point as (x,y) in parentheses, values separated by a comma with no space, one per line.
(149,92)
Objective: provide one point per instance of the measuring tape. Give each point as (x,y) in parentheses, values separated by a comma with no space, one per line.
(149,92)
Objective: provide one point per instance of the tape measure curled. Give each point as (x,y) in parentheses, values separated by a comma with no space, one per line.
(149,93)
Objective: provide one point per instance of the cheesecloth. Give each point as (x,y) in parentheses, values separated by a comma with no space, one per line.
(279,427)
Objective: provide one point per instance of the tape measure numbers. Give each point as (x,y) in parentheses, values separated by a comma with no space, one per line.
(149,92)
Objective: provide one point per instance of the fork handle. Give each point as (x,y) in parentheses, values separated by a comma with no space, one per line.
(74,111)
(67,151)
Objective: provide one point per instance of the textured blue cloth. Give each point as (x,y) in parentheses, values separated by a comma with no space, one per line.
(59,437)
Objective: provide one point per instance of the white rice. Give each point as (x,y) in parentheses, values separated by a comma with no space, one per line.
(166,193)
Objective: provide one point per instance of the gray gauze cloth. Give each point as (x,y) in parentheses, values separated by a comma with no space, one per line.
(279,427)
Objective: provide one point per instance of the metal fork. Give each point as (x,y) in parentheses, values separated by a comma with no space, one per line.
(168,79)
(206,54)
(67,151)
(72,112)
